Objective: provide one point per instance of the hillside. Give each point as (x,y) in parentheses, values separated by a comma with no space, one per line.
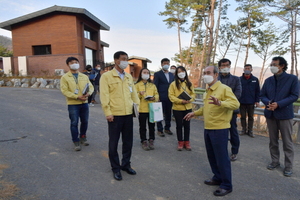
(6,42)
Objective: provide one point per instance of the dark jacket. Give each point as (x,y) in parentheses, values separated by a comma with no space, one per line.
(162,84)
(234,83)
(250,90)
(284,90)
(97,76)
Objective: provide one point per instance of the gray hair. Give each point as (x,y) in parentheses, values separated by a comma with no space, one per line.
(216,69)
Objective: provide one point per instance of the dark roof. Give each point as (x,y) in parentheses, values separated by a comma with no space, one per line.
(7,24)
(104,44)
(139,58)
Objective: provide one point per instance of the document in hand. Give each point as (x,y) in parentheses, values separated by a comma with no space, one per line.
(148,97)
(86,89)
(135,110)
(185,96)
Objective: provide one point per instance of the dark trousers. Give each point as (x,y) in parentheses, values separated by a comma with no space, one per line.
(216,142)
(76,112)
(247,110)
(143,119)
(234,135)
(286,129)
(181,123)
(96,89)
(167,112)
(124,125)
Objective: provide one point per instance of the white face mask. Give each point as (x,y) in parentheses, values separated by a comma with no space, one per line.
(145,76)
(274,69)
(74,66)
(172,70)
(225,70)
(123,64)
(98,68)
(165,67)
(181,74)
(208,79)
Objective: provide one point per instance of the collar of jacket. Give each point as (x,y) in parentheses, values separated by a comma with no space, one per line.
(115,73)
(215,85)
(69,73)
(226,76)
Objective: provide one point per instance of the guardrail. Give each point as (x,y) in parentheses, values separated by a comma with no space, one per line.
(257,110)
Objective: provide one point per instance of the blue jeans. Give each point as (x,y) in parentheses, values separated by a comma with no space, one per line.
(75,112)
(216,142)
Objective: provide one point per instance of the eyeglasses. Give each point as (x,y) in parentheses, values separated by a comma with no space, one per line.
(226,65)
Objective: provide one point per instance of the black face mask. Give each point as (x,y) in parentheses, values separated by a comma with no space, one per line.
(89,70)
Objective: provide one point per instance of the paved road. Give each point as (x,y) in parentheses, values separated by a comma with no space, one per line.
(35,144)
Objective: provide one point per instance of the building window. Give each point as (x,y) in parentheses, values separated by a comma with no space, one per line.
(87,34)
(41,50)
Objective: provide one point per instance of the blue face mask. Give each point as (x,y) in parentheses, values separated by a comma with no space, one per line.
(247,72)
(166,67)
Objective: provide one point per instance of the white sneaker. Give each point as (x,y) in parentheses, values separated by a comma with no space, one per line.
(91,104)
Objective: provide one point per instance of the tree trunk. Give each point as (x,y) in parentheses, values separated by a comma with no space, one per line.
(202,59)
(249,40)
(239,50)
(211,32)
(179,39)
(217,31)
(292,43)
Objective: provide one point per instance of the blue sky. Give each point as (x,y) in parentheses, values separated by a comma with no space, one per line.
(135,26)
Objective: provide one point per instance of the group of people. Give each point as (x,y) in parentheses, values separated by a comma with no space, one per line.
(225,97)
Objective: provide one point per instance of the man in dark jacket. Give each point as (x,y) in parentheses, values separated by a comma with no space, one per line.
(249,98)
(97,70)
(162,80)
(278,93)
(235,84)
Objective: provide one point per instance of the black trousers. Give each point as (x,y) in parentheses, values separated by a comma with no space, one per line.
(124,125)
(143,119)
(247,110)
(181,123)
(167,112)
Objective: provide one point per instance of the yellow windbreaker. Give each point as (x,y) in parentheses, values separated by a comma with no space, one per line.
(150,90)
(218,117)
(69,86)
(174,93)
(117,95)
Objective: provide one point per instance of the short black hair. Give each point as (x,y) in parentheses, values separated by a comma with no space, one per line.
(248,65)
(224,60)
(69,59)
(173,66)
(164,60)
(282,61)
(88,67)
(119,53)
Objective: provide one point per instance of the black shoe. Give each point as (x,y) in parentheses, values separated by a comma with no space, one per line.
(287,172)
(118,176)
(168,132)
(243,132)
(222,192)
(250,133)
(273,166)
(130,171)
(212,182)
(160,133)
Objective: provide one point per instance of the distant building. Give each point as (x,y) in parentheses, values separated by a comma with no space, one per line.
(47,37)
(135,63)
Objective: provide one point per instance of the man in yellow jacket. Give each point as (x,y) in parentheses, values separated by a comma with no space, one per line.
(76,87)
(219,103)
(117,95)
